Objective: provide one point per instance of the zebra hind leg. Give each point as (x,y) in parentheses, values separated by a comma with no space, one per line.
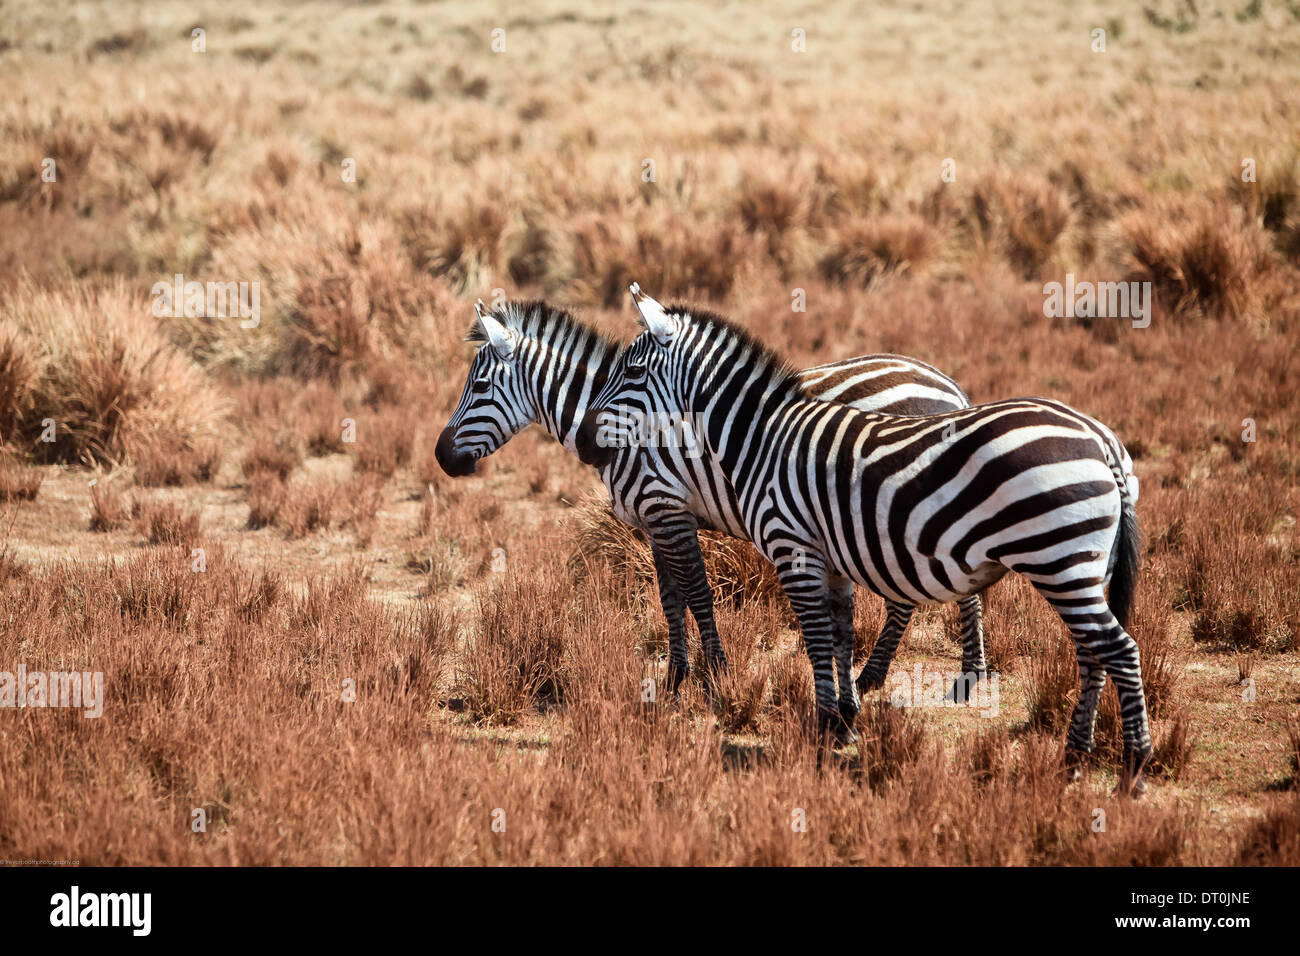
(841,607)
(674,605)
(1102,640)
(1123,663)
(973,666)
(873,673)
(1083,722)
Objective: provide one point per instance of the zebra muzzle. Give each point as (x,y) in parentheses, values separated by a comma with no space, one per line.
(591,442)
(454,462)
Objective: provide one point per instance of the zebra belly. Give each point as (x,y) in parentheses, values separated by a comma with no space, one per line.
(972,549)
(962,585)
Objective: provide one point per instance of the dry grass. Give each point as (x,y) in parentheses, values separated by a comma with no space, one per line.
(165,522)
(737,570)
(109,508)
(377,657)
(272,456)
(384,441)
(105,384)
(19,482)
(312,503)
(515,661)
(332,689)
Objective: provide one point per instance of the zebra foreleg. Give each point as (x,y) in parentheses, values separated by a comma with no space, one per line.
(680,545)
(974,668)
(674,605)
(805,583)
(841,608)
(882,655)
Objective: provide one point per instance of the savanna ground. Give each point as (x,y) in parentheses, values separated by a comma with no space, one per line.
(372,663)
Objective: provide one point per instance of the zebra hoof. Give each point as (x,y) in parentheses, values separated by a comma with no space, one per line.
(831,724)
(869,680)
(1130,787)
(676,674)
(849,711)
(960,691)
(1131,782)
(1075,759)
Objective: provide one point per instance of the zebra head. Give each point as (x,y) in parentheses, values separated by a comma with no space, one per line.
(495,405)
(638,400)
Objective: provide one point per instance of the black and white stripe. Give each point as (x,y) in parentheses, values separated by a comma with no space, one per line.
(921,510)
(540,364)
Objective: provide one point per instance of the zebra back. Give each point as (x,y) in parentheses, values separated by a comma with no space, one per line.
(893,384)
(881,382)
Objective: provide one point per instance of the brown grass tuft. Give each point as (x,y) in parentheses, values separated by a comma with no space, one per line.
(163,521)
(384,441)
(109,508)
(271,455)
(19,482)
(1275,840)
(107,379)
(1203,264)
(736,570)
(515,657)
(1018,218)
(863,252)
(892,741)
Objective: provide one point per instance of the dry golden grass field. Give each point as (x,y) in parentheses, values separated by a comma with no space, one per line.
(317,648)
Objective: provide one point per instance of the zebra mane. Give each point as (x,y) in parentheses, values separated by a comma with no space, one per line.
(536,319)
(779,374)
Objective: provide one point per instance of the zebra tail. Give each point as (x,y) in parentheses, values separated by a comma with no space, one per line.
(1123,582)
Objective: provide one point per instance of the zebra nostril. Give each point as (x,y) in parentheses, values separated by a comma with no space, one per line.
(453,462)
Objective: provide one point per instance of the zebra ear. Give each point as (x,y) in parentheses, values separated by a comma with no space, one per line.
(653,316)
(497,335)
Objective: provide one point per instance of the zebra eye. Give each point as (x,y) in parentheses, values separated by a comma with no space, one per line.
(480,384)
(636,372)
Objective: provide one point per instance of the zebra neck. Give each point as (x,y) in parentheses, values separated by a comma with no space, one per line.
(738,410)
(564,389)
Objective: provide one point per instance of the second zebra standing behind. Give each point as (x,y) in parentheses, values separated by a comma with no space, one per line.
(921,510)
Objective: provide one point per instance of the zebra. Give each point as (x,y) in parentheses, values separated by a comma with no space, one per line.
(920,510)
(539,364)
